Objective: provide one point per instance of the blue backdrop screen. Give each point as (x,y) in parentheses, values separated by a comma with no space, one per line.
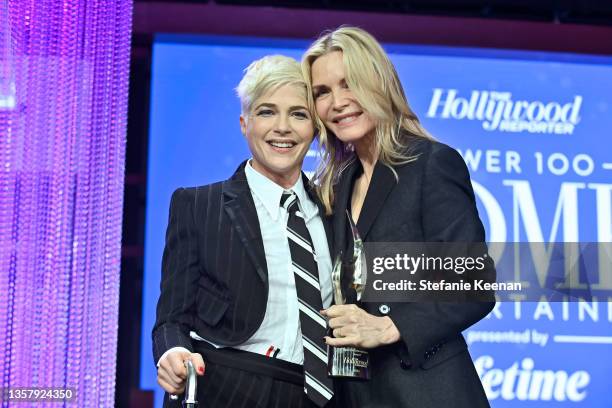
(534,129)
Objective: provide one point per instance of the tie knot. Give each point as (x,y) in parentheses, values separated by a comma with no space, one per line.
(289,201)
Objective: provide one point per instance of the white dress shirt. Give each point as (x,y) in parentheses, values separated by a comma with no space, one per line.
(280,327)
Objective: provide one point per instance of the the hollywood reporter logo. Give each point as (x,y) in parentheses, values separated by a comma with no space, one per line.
(498,111)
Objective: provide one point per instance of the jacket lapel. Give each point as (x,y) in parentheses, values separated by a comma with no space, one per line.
(341,204)
(380,186)
(240,208)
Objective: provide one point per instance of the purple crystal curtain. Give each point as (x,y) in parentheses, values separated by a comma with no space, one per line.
(63,110)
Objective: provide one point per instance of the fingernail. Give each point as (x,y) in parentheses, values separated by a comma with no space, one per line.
(201,370)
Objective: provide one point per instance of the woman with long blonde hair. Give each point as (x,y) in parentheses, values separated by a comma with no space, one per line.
(399,185)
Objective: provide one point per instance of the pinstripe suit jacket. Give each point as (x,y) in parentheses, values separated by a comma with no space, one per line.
(214,273)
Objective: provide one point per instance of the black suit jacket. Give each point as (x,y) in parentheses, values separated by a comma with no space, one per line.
(433,201)
(214,273)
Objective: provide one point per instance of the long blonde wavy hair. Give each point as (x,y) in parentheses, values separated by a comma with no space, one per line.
(372,78)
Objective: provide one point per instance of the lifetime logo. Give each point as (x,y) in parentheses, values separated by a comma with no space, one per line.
(499,112)
(524,383)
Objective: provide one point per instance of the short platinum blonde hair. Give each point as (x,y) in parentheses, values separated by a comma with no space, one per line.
(267,74)
(372,78)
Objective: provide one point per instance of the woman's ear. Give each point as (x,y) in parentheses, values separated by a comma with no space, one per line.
(243,125)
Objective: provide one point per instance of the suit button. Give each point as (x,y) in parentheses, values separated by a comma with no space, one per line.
(404,365)
(384,309)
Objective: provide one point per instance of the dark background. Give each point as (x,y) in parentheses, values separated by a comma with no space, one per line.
(576,26)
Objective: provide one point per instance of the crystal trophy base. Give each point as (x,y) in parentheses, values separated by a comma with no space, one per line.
(348,362)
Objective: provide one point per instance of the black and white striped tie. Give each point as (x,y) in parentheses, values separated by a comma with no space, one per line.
(317,385)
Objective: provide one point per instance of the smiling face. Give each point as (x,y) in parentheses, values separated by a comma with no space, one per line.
(279,130)
(336,104)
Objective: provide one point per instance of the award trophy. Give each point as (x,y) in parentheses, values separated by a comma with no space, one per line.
(348,281)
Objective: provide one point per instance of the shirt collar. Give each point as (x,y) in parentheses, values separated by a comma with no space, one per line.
(269,193)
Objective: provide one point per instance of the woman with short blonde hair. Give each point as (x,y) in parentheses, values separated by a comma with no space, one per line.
(244,258)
